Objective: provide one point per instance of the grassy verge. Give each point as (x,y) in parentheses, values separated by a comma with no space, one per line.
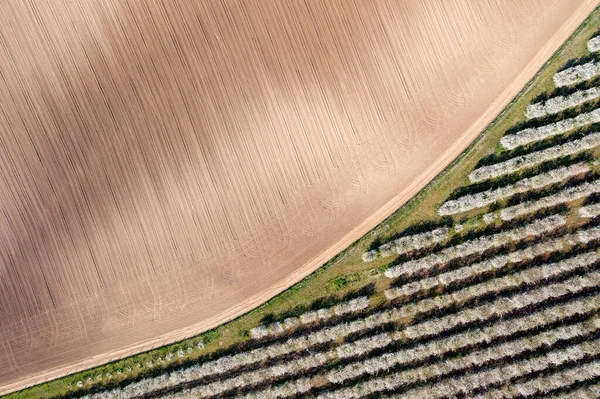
(344,272)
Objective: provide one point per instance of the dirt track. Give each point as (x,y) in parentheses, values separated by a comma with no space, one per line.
(165,167)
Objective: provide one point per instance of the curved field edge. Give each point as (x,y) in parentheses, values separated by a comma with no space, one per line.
(346,271)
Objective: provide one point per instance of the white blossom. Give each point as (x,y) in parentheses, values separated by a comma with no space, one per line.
(476,245)
(488,265)
(231,362)
(587,392)
(576,74)
(289,388)
(510,281)
(465,384)
(566,195)
(488,334)
(589,211)
(258,376)
(557,104)
(370,255)
(351,306)
(547,383)
(534,158)
(593,44)
(364,345)
(408,243)
(532,134)
(500,307)
(489,218)
(484,198)
(259,332)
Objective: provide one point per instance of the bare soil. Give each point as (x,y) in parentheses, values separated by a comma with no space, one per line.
(168,165)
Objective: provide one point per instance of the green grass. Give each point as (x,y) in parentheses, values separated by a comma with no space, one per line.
(346,271)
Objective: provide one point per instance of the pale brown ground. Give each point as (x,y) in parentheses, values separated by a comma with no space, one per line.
(166,166)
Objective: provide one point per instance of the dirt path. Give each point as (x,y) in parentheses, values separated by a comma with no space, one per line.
(168,166)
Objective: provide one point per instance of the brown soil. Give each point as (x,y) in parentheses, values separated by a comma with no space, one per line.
(168,165)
